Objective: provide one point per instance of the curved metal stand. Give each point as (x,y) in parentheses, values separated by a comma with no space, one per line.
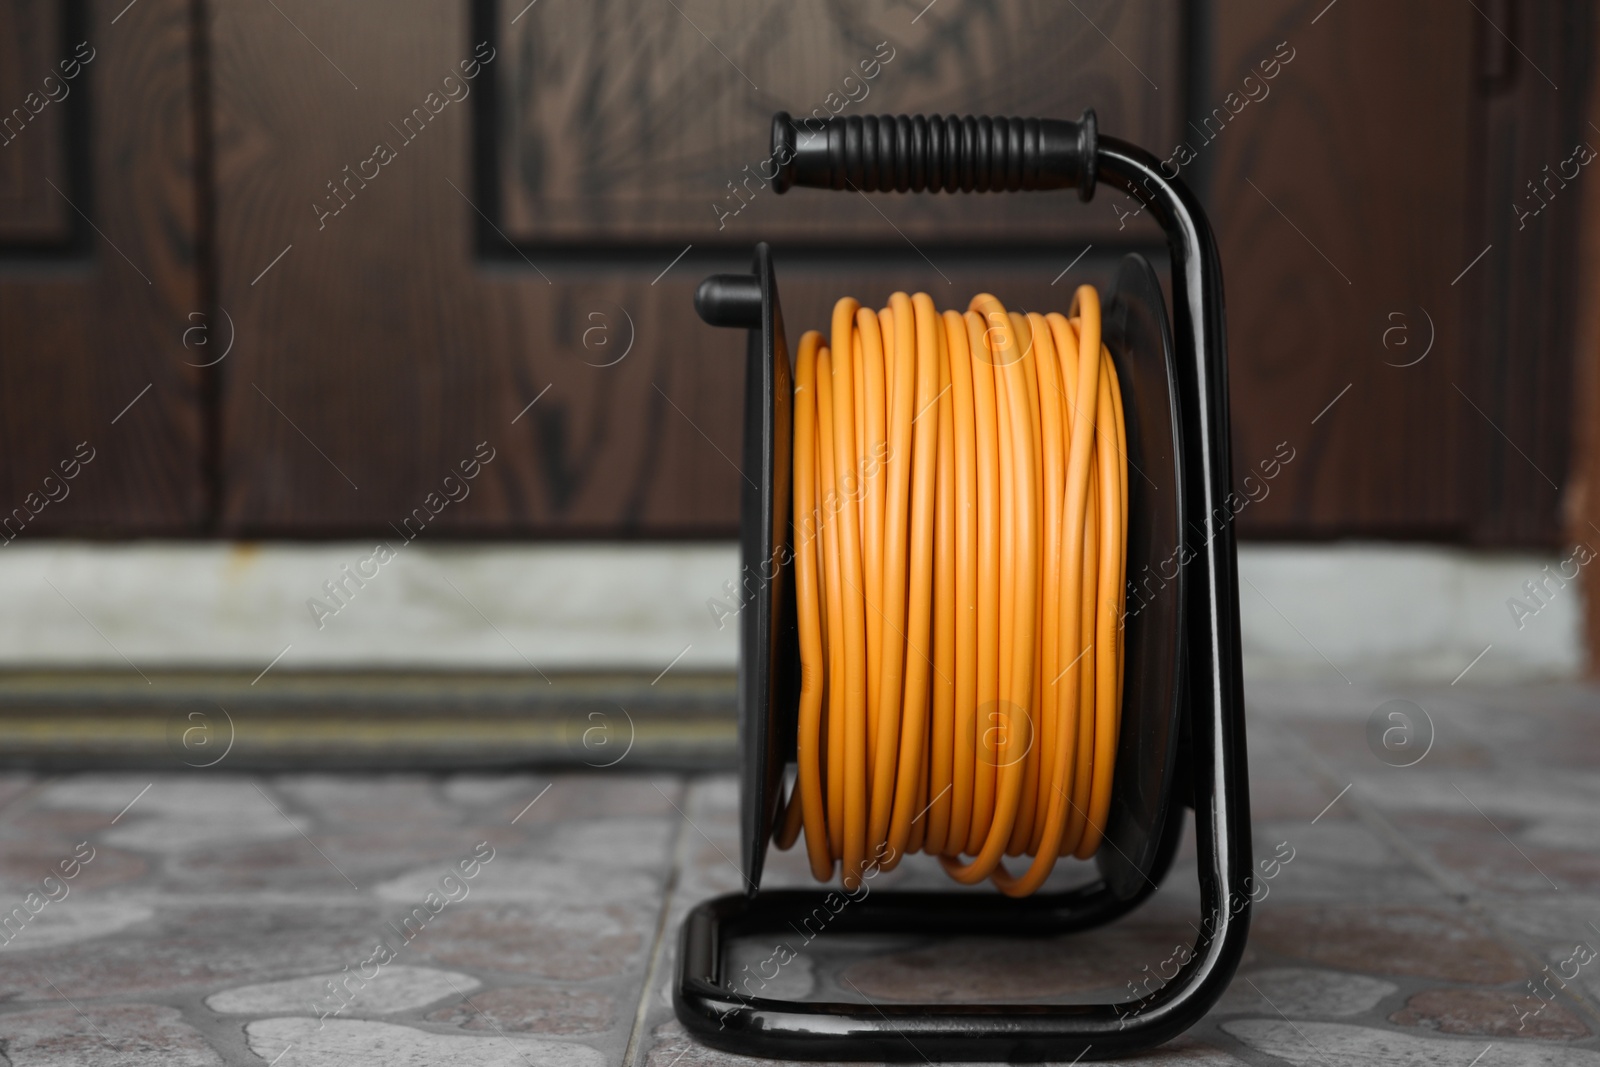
(1184,692)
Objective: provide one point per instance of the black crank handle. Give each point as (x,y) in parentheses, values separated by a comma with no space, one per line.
(917,153)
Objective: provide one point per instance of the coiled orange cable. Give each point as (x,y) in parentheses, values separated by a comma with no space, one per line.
(960,516)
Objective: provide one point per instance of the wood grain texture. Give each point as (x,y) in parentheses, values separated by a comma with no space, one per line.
(1526,296)
(1582,501)
(1340,201)
(380,350)
(625,121)
(379,342)
(85,338)
(33,145)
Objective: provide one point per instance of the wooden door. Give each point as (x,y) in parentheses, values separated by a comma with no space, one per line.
(102,293)
(430,221)
(297,270)
(1390,323)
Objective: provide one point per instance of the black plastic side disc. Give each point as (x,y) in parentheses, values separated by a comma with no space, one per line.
(769,645)
(1140,341)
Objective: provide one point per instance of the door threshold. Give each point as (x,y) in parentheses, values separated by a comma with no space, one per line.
(327,720)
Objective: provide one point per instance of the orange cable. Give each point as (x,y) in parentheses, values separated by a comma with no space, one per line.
(960,518)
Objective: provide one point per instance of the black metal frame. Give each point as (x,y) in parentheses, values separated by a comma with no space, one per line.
(1202,676)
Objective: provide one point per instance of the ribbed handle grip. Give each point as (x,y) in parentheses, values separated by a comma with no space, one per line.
(916,153)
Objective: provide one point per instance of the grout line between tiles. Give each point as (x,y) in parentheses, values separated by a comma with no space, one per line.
(658,947)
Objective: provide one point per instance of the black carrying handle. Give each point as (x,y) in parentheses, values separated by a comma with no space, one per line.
(917,153)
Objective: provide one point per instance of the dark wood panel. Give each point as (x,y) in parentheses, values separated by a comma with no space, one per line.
(87,337)
(1340,198)
(623,121)
(381,339)
(35,58)
(1526,295)
(1582,500)
(360,379)
(379,351)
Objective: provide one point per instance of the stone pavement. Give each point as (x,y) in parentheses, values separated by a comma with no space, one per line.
(1437,913)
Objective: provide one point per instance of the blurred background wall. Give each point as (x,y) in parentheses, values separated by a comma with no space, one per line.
(348,365)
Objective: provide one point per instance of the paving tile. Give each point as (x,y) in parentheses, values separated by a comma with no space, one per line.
(705,809)
(1550,726)
(1590,982)
(1334,860)
(780,974)
(1295,701)
(1296,796)
(26,820)
(1302,991)
(1316,1043)
(111,793)
(601,845)
(123,1035)
(66,922)
(1423,942)
(556,1010)
(576,795)
(323,860)
(1568,741)
(999,971)
(508,878)
(193,948)
(475,790)
(1557,919)
(1508,855)
(369,799)
(579,862)
(205,828)
(1489,1013)
(13,784)
(26,861)
(1576,834)
(204,895)
(1348,745)
(672,1046)
(572,943)
(171,813)
(1531,793)
(1185,1050)
(581,901)
(375,990)
(352,1042)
